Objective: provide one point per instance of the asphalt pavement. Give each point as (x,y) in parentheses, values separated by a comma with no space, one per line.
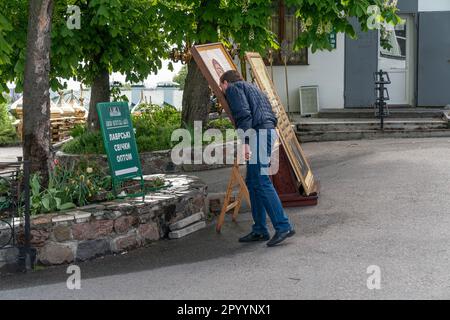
(384,204)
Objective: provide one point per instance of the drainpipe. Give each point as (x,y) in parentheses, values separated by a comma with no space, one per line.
(416,73)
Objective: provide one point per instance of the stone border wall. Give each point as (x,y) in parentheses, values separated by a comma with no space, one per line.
(115,226)
(157,161)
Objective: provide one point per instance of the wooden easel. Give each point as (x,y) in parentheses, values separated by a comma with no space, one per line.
(236,179)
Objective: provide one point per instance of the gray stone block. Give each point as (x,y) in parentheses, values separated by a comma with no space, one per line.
(186,221)
(9,255)
(188,230)
(92,207)
(63,219)
(125,242)
(57,253)
(112,215)
(9,259)
(81,216)
(92,248)
(5,236)
(98,215)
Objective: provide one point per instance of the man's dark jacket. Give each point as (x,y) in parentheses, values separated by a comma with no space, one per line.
(249,106)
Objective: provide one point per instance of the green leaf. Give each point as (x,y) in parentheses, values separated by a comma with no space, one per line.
(46,202)
(35,185)
(103,11)
(67,206)
(58,203)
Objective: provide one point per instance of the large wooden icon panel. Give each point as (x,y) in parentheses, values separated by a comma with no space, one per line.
(213,60)
(291,145)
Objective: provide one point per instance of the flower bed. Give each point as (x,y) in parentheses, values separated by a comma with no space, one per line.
(79,184)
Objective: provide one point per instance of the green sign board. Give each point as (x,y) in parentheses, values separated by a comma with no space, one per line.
(119,141)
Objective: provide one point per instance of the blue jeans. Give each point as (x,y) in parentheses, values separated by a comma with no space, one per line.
(263,197)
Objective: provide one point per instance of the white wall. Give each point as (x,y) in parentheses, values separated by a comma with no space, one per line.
(434,5)
(325,69)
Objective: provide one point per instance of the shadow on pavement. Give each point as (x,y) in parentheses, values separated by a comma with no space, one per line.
(203,245)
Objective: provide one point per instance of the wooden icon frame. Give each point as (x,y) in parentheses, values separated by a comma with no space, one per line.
(287,135)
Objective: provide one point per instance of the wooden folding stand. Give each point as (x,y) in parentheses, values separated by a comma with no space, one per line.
(236,179)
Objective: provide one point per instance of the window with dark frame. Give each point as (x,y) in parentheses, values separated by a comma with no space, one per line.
(286,26)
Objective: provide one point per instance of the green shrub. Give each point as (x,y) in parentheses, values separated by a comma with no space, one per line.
(85,143)
(78,130)
(7,131)
(153,127)
(153,115)
(222,124)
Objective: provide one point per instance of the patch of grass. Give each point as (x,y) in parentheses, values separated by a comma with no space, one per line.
(38,267)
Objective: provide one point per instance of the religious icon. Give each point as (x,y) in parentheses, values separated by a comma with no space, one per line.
(213,60)
(286,133)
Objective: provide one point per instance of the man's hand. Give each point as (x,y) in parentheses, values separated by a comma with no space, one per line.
(246,152)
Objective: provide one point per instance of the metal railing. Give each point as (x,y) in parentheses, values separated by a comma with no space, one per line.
(15,210)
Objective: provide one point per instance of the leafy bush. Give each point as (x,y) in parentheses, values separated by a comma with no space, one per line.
(69,186)
(155,115)
(8,136)
(48,200)
(7,131)
(153,126)
(85,142)
(78,130)
(222,124)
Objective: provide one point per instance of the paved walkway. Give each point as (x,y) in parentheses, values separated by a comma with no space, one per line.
(383,203)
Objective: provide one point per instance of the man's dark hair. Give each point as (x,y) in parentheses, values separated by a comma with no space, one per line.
(231,76)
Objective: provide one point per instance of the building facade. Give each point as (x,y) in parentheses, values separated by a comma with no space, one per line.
(418,62)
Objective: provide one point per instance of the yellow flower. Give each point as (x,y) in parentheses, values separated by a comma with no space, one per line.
(89,170)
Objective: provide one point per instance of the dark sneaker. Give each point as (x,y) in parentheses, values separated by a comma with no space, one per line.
(280,237)
(252,236)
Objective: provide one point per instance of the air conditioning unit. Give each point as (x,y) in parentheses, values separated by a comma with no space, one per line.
(309,100)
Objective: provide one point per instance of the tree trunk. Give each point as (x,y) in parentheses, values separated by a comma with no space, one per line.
(100,92)
(36,97)
(196,96)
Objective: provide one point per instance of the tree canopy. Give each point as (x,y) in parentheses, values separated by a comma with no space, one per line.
(321,17)
(246,22)
(114,35)
(133,36)
(201,21)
